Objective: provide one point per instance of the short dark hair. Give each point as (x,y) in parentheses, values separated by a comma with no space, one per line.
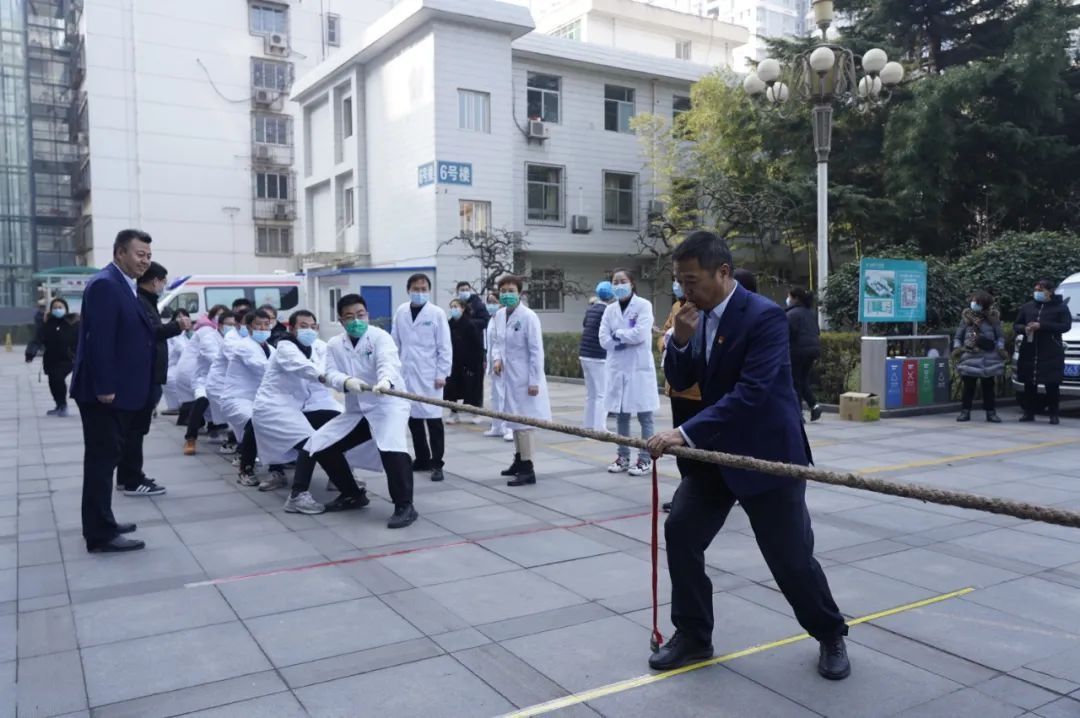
(1048,285)
(802,296)
(708,249)
(301,313)
(241,302)
(511,279)
(746,278)
(628,272)
(63,301)
(348,300)
(182,312)
(125,236)
(225,315)
(256,314)
(154,272)
(214,310)
(416,278)
(463,283)
(983,298)
(268,308)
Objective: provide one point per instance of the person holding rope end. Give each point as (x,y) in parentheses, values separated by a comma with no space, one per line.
(734,345)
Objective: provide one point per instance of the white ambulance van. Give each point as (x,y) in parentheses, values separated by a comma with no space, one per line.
(198,292)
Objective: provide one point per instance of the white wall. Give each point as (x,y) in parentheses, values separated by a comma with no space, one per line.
(653,40)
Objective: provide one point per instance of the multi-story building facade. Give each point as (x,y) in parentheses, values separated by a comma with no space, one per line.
(448,117)
(765,19)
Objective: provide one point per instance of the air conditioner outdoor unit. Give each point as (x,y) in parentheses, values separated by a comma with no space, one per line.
(281,211)
(579,224)
(265,97)
(538,130)
(277,43)
(262,152)
(656,208)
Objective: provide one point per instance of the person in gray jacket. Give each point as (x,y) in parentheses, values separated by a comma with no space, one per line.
(979,353)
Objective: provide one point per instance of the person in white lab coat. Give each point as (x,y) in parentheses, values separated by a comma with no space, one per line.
(215,380)
(207,344)
(366,356)
(422,334)
(519,360)
(498,426)
(175,347)
(631,388)
(281,422)
(187,368)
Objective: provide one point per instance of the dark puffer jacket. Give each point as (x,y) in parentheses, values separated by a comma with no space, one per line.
(804,332)
(1042,361)
(60,338)
(979,345)
(590,333)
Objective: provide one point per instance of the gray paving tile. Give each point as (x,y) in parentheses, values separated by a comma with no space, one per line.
(609,576)
(483,518)
(8,637)
(370,529)
(450,691)
(150,614)
(103,570)
(544,621)
(423,611)
(278,705)
(200,697)
(920,654)
(1035,599)
(551,547)
(9,584)
(965,703)
(33,553)
(1016,692)
(8,697)
(460,640)
(453,563)
(323,631)
(1061,708)
(450,500)
(1038,550)
(239,557)
(49,631)
(502,596)
(239,528)
(40,694)
(1064,666)
(41,580)
(122,671)
(1045,680)
(9,555)
(351,664)
(289,591)
(514,679)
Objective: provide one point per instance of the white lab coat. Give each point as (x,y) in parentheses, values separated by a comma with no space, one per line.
(215,378)
(320,398)
(242,379)
(194,364)
(630,376)
(176,349)
(277,414)
(373,359)
(520,346)
(426,354)
(491,338)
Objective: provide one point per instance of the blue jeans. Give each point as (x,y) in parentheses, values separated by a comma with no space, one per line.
(645,418)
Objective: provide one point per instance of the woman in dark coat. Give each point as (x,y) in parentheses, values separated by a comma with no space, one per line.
(466,380)
(1042,351)
(60,336)
(979,353)
(805,339)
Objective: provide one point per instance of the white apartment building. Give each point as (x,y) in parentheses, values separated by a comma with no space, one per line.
(450,115)
(185,129)
(764,19)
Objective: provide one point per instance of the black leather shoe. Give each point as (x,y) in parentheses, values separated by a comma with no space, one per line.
(513,470)
(815,413)
(418,465)
(666,507)
(437,474)
(525,475)
(117,545)
(965,415)
(349,503)
(125,528)
(833,662)
(403,516)
(992,417)
(1027,416)
(678,652)
(1055,420)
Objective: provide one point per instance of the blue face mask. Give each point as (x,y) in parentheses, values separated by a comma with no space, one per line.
(242,331)
(464,295)
(1040,296)
(261,335)
(492,308)
(622,291)
(419,299)
(226,330)
(59,313)
(976,307)
(307,337)
(676,289)
(455,313)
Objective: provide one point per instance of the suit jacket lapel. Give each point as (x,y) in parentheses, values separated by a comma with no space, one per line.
(729,323)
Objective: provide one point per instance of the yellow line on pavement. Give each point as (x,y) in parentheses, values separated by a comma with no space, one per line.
(963,457)
(648,679)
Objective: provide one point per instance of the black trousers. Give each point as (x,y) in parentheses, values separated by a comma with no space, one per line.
(426,454)
(305,462)
(129,470)
(967,395)
(800,374)
(249,450)
(104,429)
(396,464)
(196,411)
(58,387)
(683,410)
(1053,398)
(781,526)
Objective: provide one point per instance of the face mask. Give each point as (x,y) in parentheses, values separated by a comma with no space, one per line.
(622,291)
(225,330)
(242,331)
(261,335)
(59,313)
(464,295)
(788,301)
(419,299)
(1040,296)
(455,313)
(976,307)
(509,299)
(492,308)
(188,333)
(356,328)
(676,289)
(307,337)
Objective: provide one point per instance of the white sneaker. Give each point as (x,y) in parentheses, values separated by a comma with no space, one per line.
(642,467)
(479,419)
(452,419)
(618,466)
(508,435)
(275,480)
(493,431)
(305,503)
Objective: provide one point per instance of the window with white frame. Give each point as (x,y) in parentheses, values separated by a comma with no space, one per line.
(546,290)
(682,49)
(570,31)
(680,105)
(475,217)
(348,199)
(333,30)
(346,117)
(620,194)
(618,108)
(270,75)
(272,129)
(544,193)
(265,18)
(273,241)
(542,96)
(335,295)
(272,185)
(474,111)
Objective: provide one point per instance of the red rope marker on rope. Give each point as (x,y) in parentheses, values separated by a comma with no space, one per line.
(656,640)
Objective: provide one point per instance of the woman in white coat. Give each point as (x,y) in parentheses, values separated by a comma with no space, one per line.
(491,338)
(422,334)
(519,360)
(374,424)
(205,347)
(215,380)
(626,334)
(175,346)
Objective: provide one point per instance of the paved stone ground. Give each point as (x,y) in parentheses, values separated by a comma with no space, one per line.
(512,597)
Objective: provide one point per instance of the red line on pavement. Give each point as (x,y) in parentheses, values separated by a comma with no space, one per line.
(406,551)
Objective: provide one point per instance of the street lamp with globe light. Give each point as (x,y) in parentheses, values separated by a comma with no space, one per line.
(825,75)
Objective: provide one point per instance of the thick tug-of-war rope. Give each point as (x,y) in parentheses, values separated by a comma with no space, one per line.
(921,492)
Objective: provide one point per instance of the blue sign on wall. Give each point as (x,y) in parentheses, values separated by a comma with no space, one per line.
(443,172)
(892,290)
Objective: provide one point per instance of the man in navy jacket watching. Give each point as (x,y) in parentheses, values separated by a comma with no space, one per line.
(111,382)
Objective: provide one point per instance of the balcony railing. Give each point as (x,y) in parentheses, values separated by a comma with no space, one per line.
(81,185)
(274,209)
(272,155)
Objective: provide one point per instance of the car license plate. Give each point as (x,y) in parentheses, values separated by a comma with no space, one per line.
(1072,370)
